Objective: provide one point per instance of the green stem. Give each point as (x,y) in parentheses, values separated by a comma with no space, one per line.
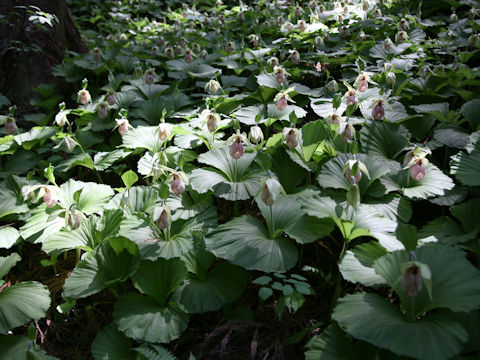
(77,259)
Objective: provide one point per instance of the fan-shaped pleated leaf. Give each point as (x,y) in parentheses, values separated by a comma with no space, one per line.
(372,318)
(435,182)
(357,264)
(332,175)
(221,285)
(142,318)
(383,139)
(456,286)
(111,344)
(7,262)
(8,237)
(21,303)
(154,245)
(235,181)
(246,242)
(143,137)
(465,167)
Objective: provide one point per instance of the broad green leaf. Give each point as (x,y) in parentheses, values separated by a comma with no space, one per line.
(129,178)
(159,278)
(153,245)
(18,347)
(435,182)
(94,197)
(6,263)
(471,110)
(117,259)
(21,303)
(334,344)
(221,285)
(451,136)
(456,286)
(103,160)
(236,179)
(377,321)
(357,264)
(135,199)
(246,242)
(41,225)
(85,280)
(383,139)
(8,237)
(154,352)
(111,344)
(143,137)
(365,221)
(332,176)
(186,207)
(465,167)
(142,318)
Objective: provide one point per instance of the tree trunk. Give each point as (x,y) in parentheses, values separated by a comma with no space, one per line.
(29,50)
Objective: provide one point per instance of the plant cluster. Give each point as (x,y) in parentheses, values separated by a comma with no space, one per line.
(323,155)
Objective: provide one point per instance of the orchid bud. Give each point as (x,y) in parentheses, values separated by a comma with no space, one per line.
(196,48)
(164,219)
(83,97)
(236,149)
(345,32)
(319,41)
(378,13)
(294,57)
(334,119)
(266,196)
(403,25)
(70,143)
(229,47)
(390,78)
(10,125)
(453,18)
(472,13)
(302,26)
(353,179)
(177,186)
(378,111)
(387,44)
(362,85)
(111,98)
(273,61)
(188,57)
(281,104)
(412,280)
(149,77)
(347,133)
(473,41)
(212,87)
(61,118)
(74,219)
(212,122)
(103,111)
(256,134)
(352,99)
(50,197)
(417,171)
(291,139)
(312,4)
(123,127)
(163,131)
(332,86)
(97,54)
(298,11)
(281,77)
(169,53)
(364,5)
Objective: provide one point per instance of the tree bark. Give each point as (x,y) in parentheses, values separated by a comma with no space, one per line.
(28,51)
